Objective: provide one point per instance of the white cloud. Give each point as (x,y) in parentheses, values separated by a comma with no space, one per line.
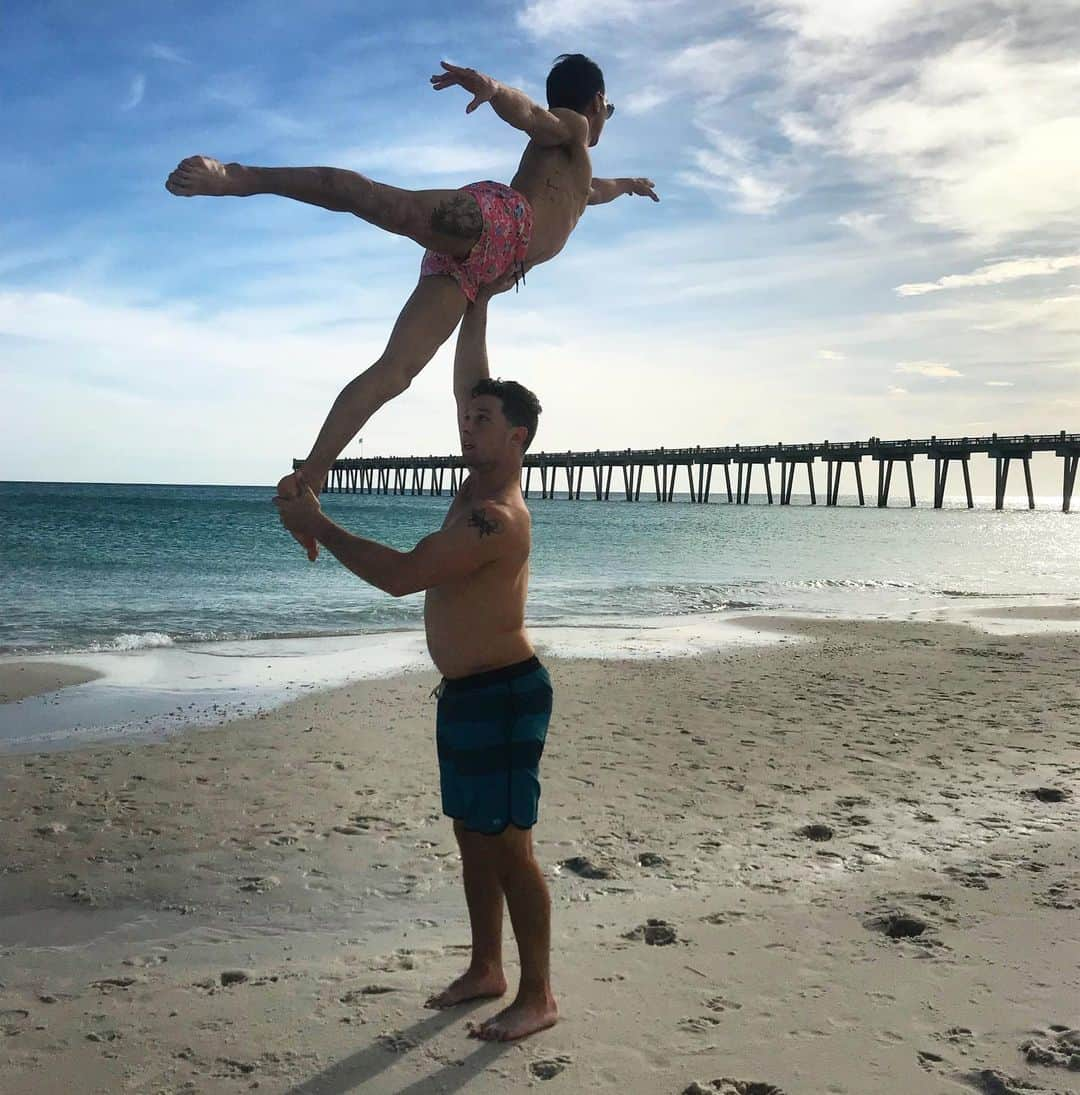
(864,225)
(994,274)
(893,390)
(641,102)
(960,112)
(136,91)
(547,17)
(162,52)
(839,21)
(936,369)
(831,355)
(730,165)
(1000,384)
(433,157)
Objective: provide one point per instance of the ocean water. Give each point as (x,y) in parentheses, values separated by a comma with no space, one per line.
(91,567)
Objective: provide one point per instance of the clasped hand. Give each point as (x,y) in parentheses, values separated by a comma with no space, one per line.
(300,512)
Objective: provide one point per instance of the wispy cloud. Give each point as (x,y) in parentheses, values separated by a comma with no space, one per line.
(136,91)
(162,52)
(995,273)
(1000,384)
(434,157)
(862,224)
(732,166)
(831,355)
(547,17)
(935,369)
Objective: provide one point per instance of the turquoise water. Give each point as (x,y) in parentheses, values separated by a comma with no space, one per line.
(113,567)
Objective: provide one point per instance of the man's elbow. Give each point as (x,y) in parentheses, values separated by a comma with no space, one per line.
(397,587)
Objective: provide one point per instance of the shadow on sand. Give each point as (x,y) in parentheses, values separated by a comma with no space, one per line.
(353,1073)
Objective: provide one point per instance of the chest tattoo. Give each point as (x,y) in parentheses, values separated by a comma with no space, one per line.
(484,525)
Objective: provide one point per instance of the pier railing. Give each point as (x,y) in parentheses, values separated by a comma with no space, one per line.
(432,474)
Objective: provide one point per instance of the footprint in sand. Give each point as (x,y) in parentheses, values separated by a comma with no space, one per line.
(396,1042)
(656,933)
(1059,895)
(651,859)
(731,1087)
(1049,794)
(991,1082)
(975,878)
(816,831)
(144,960)
(726,917)
(549,1067)
(1060,1049)
(585,868)
(259,883)
(14,1020)
(897,925)
(357,996)
(698,1024)
(111,984)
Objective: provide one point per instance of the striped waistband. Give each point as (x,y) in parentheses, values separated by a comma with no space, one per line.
(491,676)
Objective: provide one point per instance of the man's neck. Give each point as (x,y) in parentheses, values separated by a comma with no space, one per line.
(494,480)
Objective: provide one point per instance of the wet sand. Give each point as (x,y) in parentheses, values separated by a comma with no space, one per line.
(19,680)
(846,863)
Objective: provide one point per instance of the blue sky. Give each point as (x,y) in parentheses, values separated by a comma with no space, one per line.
(868,226)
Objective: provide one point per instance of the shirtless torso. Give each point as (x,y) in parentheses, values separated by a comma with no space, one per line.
(477,622)
(557,180)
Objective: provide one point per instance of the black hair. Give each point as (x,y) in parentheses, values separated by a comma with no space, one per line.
(520,407)
(573,82)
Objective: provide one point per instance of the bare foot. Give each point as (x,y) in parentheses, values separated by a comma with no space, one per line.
(471,985)
(203,175)
(522,1017)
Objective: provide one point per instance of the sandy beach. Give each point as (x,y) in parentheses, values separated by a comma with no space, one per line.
(845,863)
(21,680)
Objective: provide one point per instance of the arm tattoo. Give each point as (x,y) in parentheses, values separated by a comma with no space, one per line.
(459,217)
(479,521)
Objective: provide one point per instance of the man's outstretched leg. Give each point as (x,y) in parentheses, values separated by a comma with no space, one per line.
(428,319)
(484,897)
(447,221)
(527,898)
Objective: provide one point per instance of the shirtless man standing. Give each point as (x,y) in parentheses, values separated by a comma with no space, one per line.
(473,236)
(495,697)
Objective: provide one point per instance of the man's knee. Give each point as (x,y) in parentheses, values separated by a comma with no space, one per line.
(511,850)
(392,375)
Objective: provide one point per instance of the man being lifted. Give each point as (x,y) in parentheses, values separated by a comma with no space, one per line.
(472,237)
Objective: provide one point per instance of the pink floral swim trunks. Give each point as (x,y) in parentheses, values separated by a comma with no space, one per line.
(503,242)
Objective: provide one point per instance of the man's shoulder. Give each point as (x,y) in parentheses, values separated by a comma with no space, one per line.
(577,125)
(498,517)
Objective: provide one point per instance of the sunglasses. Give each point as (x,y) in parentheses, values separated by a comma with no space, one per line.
(609,109)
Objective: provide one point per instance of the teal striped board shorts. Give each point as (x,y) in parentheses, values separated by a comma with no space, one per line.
(490,730)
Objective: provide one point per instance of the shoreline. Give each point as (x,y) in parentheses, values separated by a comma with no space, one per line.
(305,848)
(71,700)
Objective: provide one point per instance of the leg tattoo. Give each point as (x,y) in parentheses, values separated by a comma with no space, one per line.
(458,217)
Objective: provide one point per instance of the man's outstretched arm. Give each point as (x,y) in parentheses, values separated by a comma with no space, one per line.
(545,127)
(470,356)
(607,190)
(445,556)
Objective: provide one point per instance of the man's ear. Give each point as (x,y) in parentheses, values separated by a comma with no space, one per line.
(520,434)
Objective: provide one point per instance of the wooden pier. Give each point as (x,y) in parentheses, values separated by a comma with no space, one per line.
(432,475)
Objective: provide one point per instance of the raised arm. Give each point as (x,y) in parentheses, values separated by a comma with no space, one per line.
(607,190)
(545,127)
(470,356)
(447,555)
